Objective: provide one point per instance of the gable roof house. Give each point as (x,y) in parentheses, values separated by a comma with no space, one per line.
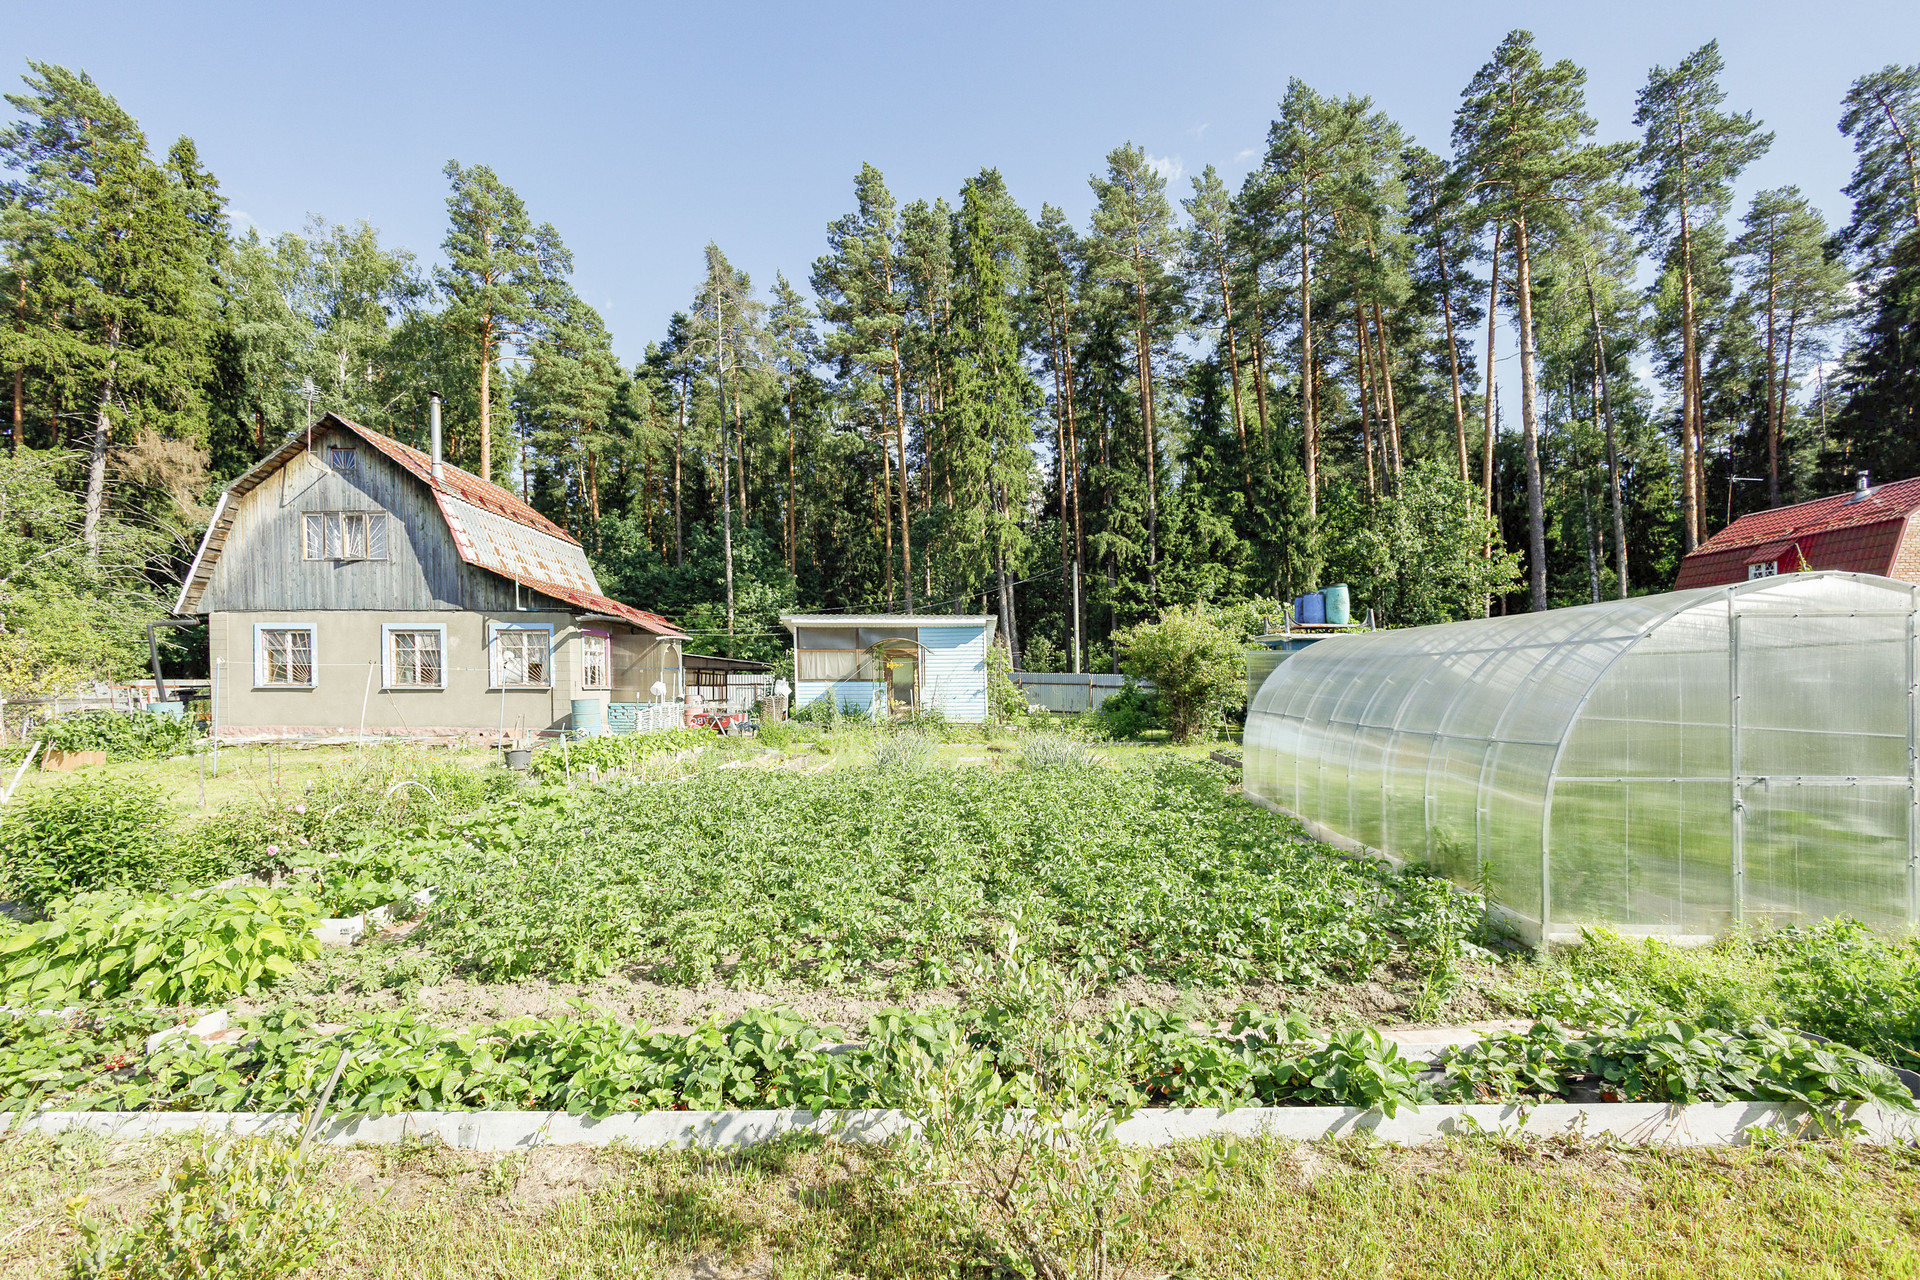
(1870,530)
(356,585)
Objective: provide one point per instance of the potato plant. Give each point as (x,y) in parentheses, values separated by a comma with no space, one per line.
(907,873)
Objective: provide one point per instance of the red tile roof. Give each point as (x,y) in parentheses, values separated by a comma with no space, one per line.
(1846,532)
(601,604)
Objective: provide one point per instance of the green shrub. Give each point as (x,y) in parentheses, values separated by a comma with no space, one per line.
(1130,712)
(237,1208)
(168,948)
(140,735)
(1196,665)
(94,832)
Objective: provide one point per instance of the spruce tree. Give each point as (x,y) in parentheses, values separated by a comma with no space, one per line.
(1133,243)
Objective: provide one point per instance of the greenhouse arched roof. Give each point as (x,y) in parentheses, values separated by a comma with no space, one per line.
(1668,764)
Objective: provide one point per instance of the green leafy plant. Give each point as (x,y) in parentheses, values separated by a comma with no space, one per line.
(88,833)
(237,1208)
(615,751)
(140,735)
(169,948)
(1841,980)
(1129,712)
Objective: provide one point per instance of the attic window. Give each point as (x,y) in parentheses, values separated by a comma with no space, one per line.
(343,459)
(1765,569)
(344,535)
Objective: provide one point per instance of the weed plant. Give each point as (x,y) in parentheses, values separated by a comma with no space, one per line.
(237,1208)
(1052,749)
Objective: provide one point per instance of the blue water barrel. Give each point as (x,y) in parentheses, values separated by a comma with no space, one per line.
(1339,611)
(586,718)
(1310,608)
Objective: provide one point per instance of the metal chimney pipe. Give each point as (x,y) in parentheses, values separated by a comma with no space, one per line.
(433,433)
(1861,485)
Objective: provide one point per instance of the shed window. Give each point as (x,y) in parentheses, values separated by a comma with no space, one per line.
(593,661)
(416,657)
(283,656)
(521,657)
(1765,569)
(344,535)
(343,459)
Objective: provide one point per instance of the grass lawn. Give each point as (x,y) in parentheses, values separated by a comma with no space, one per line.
(1338,1209)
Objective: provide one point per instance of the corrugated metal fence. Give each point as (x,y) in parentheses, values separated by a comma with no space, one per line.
(1070,691)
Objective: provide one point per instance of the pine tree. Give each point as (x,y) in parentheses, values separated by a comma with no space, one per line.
(1692,153)
(861,289)
(499,267)
(1521,136)
(993,393)
(1882,116)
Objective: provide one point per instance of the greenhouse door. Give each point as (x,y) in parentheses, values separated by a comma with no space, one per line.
(1822,767)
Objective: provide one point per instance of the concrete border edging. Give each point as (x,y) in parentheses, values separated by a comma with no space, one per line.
(1706,1124)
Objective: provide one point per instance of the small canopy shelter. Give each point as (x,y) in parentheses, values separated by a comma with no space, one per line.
(1670,764)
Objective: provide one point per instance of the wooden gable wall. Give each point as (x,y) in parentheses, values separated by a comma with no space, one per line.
(262,565)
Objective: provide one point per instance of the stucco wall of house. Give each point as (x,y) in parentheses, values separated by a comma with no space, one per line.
(350,677)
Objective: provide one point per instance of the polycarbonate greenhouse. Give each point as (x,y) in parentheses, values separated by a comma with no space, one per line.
(1669,764)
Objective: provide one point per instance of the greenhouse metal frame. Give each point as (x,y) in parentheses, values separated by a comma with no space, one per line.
(1674,765)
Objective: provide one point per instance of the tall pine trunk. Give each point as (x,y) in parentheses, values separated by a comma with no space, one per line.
(1233,368)
(1143,363)
(96,505)
(1309,393)
(1453,357)
(1691,488)
(1386,381)
(1773,421)
(1613,452)
(486,397)
(906,511)
(1530,422)
(1486,380)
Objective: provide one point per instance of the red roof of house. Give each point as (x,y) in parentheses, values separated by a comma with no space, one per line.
(1846,532)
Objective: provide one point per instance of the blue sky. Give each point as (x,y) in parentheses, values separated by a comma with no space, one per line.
(643,131)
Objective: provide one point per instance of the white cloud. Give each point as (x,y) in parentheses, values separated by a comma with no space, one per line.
(1200,131)
(1248,154)
(1168,167)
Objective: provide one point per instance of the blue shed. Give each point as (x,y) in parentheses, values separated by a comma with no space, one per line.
(903,662)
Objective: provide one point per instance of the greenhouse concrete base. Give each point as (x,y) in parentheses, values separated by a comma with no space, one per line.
(1638,1123)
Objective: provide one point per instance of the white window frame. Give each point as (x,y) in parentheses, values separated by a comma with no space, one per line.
(388,665)
(494,631)
(1763,569)
(260,630)
(605,640)
(374,521)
